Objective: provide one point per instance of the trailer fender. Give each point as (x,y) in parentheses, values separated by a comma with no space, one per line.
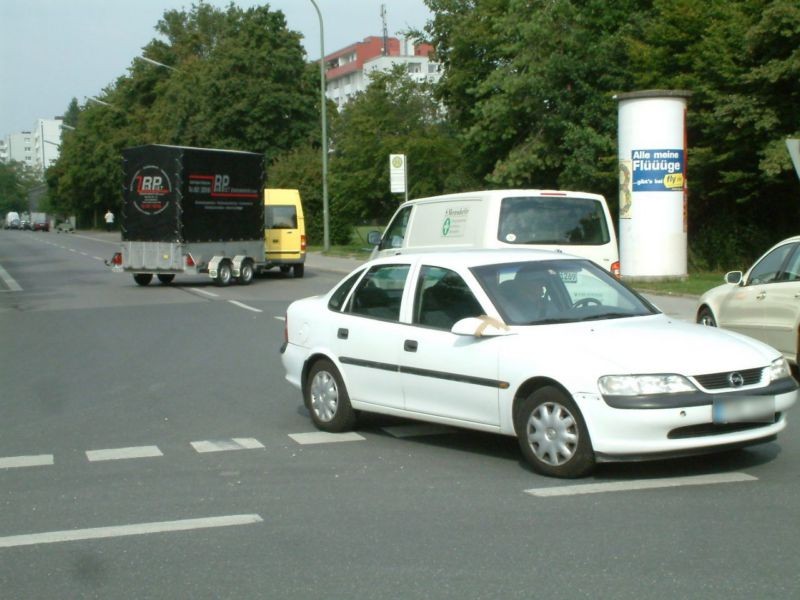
(213,265)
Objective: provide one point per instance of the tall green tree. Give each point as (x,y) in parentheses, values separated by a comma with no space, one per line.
(16,180)
(395,115)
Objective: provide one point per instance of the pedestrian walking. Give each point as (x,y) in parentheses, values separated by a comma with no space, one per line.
(109,220)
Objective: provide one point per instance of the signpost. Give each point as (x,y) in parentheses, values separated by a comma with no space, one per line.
(398,174)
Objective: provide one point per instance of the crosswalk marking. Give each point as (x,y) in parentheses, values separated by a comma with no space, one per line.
(39,460)
(323,437)
(123,453)
(203,446)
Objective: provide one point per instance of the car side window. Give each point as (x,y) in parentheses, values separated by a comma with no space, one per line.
(792,270)
(768,268)
(443,298)
(380,292)
(396,231)
(340,295)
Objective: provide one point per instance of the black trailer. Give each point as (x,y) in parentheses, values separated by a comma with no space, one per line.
(191,210)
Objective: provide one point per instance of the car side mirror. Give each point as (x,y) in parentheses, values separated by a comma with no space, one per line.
(483,326)
(374,238)
(733,277)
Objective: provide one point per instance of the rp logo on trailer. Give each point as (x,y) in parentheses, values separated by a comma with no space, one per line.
(149,189)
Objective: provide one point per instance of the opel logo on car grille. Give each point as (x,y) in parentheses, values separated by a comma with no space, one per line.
(736,379)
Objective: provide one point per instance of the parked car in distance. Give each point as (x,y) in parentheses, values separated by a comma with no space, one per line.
(763,303)
(12,220)
(551,349)
(65,227)
(40,222)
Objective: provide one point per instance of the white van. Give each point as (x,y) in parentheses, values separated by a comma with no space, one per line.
(576,223)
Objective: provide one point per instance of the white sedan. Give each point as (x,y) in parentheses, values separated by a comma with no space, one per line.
(548,348)
(763,303)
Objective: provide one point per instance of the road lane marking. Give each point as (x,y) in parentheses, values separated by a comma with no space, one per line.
(641,484)
(280,318)
(123,453)
(323,437)
(242,305)
(225,445)
(96,533)
(13,286)
(13,462)
(98,258)
(404,431)
(199,291)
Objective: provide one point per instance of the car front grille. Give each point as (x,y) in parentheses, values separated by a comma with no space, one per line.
(721,381)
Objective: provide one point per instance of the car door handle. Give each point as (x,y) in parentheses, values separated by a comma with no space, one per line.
(342,333)
(410,345)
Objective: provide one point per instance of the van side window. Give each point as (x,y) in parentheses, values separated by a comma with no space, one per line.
(278,216)
(338,297)
(396,231)
(442,299)
(380,292)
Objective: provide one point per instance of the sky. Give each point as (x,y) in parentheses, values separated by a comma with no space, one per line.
(54,50)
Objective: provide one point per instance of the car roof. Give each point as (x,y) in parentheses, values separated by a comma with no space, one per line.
(474,257)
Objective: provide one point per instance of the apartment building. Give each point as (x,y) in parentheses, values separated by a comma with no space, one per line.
(37,148)
(348,70)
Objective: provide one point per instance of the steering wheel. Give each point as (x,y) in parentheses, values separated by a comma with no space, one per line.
(586,302)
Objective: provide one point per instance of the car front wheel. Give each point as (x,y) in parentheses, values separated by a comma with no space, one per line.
(552,434)
(327,400)
(706,317)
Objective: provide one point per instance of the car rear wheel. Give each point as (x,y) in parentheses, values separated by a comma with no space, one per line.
(143,278)
(327,400)
(298,269)
(552,434)
(706,317)
(166,278)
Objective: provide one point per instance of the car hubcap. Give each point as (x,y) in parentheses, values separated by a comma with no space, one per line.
(552,433)
(324,396)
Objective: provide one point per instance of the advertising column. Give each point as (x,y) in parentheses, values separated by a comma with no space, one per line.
(652,184)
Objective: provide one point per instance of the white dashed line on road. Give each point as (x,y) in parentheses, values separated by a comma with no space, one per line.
(641,484)
(13,462)
(205,293)
(96,533)
(123,453)
(323,437)
(12,285)
(225,445)
(242,305)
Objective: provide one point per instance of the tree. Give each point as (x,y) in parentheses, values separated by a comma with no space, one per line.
(16,180)
(395,115)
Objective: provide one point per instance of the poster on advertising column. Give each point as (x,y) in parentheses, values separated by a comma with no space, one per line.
(657,170)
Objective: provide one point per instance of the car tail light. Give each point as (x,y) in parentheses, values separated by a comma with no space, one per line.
(302,243)
(190,261)
(117,259)
(615,270)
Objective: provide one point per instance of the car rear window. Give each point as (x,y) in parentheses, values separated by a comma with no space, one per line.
(567,221)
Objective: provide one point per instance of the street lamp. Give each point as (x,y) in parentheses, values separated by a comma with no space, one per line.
(101,102)
(156,63)
(325,220)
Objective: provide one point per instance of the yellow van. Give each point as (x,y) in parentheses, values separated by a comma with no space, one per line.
(284,231)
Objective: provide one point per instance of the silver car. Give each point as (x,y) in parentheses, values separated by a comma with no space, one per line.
(763,303)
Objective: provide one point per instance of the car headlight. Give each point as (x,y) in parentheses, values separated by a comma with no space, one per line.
(779,369)
(643,385)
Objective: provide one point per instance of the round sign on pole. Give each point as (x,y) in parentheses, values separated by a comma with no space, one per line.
(397,173)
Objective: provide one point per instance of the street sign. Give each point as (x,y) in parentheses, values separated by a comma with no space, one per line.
(397,173)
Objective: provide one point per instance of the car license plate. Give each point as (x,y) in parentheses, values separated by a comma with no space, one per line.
(753,409)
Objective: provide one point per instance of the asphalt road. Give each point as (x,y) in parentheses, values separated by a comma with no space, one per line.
(150,448)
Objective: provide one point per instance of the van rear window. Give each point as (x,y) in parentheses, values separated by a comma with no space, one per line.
(280,216)
(565,221)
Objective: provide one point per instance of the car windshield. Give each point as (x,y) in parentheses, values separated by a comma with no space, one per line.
(558,291)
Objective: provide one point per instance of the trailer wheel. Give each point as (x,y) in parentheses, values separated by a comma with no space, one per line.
(142,278)
(246,273)
(223,274)
(166,278)
(299,269)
